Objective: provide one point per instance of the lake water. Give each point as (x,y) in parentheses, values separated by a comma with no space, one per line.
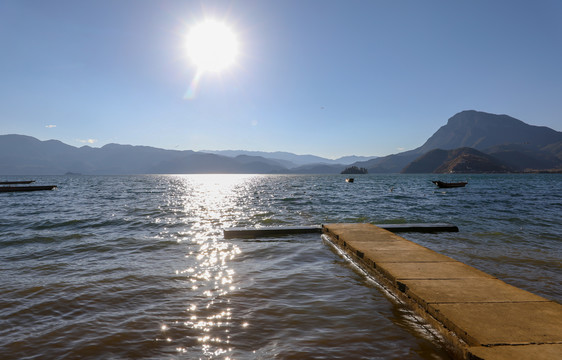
(137,267)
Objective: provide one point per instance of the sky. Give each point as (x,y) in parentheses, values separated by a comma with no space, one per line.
(324,77)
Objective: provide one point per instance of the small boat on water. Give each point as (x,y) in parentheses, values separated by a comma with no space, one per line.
(443,184)
(26,188)
(350,180)
(16,182)
(7,186)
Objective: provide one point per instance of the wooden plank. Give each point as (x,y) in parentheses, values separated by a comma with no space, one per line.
(16,182)
(248,233)
(26,188)
(437,227)
(274,231)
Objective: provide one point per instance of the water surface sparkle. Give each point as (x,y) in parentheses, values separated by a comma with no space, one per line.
(137,266)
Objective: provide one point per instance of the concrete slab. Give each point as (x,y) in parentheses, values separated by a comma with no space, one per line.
(368,236)
(433,270)
(466,291)
(365,236)
(479,316)
(491,324)
(360,232)
(375,246)
(535,352)
(422,255)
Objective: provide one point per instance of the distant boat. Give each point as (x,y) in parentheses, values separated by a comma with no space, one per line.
(7,188)
(26,188)
(442,184)
(350,180)
(16,182)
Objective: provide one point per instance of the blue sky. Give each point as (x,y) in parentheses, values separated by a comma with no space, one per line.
(329,78)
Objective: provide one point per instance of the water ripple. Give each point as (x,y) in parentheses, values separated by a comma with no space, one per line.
(137,266)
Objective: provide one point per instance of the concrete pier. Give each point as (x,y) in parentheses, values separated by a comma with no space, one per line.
(479,316)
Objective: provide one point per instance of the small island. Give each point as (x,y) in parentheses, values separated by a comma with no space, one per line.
(354,170)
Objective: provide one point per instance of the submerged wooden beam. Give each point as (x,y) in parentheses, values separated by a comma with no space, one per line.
(269,231)
(273,231)
(429,228)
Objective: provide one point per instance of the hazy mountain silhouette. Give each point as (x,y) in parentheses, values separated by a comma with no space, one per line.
(203,163)
(22,155)
(25,155)
(480,130)
(462,160)
(317,169)
(522,157)
(539,146)
(512,144)
(290,160)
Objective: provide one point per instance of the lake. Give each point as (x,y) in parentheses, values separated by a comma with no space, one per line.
(137,266)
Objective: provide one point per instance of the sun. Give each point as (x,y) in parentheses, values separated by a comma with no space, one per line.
(212,46)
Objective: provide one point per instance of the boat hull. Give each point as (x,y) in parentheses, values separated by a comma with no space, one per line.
(16,182)
(442,184)
(26,188)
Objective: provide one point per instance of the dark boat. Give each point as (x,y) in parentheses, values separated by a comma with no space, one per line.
(350,180)
(442,184)
(16,182)
(26,188)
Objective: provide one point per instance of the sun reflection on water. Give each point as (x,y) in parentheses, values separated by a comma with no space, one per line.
(207,274)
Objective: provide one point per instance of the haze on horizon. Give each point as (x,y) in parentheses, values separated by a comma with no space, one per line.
(309,77)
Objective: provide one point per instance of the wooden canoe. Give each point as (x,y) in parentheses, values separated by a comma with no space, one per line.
(442,184)
(16,182)
(26,188)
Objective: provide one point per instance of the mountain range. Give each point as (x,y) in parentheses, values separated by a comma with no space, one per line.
(471,141)
(291,160)
(510,143)
(25,155)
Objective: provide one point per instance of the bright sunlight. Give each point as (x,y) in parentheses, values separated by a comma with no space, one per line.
(212,46)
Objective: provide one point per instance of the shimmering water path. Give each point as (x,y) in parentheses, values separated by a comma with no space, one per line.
(137,267)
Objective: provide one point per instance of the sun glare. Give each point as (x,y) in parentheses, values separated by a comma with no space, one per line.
(212,46)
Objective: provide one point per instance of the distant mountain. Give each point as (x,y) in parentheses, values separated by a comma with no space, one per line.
(203,163)
(480,130)
(502,143)
(128,159)
(388,164)
(286,159)
(291,160)
(25,155)
(259,164)
(523,157)
(348,160)
(317,169)
(462,160)
(487,133)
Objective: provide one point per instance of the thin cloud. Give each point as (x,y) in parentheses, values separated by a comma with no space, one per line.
(400,149)
(89,141)
(50,126)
